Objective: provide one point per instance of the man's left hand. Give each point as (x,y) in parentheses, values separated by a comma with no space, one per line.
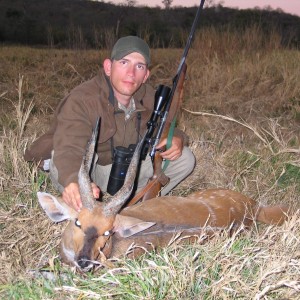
(174,152)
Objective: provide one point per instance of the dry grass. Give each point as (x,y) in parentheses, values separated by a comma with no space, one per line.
(244,93)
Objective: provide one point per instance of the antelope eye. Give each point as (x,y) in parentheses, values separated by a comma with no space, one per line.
(77,223)
(106,233)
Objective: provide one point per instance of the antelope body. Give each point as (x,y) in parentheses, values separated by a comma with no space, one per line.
(107,228)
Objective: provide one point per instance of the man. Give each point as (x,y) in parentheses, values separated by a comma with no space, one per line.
(120,96)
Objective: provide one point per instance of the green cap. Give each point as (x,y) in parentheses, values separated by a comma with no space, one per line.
(129,44)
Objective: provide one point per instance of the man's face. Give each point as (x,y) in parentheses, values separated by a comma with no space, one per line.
(126,75)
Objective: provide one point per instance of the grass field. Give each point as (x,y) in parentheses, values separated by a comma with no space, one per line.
(242,112)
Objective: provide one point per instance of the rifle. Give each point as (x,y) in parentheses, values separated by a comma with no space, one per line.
(167,101)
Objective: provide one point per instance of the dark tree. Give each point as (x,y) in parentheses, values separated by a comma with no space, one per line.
(167,3)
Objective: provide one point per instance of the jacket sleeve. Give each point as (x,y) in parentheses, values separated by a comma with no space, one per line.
(74,128)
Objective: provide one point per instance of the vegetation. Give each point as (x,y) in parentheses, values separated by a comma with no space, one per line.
(242,113)
(93,24)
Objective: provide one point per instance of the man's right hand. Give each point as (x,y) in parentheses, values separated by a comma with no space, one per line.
(71,195)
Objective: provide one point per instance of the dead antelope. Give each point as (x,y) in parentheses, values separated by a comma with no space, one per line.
(104,227)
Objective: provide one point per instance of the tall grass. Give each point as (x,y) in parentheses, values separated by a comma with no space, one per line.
(15,171)
(242,113)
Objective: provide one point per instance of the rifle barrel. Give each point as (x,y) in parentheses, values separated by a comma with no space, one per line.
(185,53)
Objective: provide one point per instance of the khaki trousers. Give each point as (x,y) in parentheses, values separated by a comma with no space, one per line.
(177,170)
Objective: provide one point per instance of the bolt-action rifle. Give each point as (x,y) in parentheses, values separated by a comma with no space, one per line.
(167,102)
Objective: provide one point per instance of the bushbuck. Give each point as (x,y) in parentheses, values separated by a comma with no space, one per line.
(104,227)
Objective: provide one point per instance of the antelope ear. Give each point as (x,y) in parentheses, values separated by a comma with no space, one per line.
(54,209)
(128,226)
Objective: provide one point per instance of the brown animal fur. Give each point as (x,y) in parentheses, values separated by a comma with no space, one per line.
(153,223)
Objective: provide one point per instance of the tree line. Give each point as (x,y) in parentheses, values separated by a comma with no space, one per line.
(90,24)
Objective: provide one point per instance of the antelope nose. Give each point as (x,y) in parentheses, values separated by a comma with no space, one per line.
(84,262)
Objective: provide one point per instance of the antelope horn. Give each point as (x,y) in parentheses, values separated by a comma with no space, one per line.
(115,203)
(85,187)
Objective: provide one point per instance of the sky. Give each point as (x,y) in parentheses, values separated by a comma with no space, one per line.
(288,6)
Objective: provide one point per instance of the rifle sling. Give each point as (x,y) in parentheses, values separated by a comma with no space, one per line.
(169,142)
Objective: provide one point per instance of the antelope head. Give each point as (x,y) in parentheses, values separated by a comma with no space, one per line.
(91,230)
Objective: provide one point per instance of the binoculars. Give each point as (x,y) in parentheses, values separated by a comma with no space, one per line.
(121,160)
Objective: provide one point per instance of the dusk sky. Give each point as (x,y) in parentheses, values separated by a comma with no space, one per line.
(289,6)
